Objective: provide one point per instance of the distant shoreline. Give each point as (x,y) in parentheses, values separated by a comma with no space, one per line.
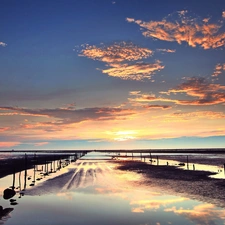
(183,150)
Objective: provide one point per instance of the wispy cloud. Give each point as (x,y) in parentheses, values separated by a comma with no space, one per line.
(218,69)
(2,44)
(144,205)
(123,60)
(166,50)
(140,99)
(180,27)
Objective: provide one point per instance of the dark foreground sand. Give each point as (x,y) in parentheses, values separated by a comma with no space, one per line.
(193,184)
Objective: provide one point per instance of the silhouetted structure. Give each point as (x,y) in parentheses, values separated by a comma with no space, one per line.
(5,212)
(10,192)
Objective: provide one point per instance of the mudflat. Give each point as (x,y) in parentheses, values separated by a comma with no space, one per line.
(188,183)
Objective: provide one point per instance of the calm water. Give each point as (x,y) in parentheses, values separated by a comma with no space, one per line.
(93,191)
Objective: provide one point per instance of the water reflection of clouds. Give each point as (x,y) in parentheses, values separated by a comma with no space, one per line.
(140,206)
(204,214)
(66,195)
(91,180)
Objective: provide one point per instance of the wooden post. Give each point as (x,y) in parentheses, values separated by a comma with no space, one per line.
(157,160)
(45,166)
(13,185)
(20,180)
(187,163)
(132,156)
(34,165)
(141,155)
(25,173)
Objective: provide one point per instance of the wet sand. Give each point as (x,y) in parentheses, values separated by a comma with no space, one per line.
(195,184)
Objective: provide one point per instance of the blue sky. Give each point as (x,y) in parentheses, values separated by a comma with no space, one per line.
(112,74)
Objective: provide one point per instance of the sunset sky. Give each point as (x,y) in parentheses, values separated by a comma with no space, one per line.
(101,74)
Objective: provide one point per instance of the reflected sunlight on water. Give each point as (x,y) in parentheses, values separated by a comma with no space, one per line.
(92,191)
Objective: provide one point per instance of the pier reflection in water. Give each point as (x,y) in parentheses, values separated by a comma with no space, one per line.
(93,191)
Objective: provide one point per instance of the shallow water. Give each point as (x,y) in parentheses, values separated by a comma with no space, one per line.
(93,191)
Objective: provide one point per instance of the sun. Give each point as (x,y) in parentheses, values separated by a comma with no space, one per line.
(125,135)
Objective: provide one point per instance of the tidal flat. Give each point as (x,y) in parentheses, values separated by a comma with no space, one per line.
(100,188)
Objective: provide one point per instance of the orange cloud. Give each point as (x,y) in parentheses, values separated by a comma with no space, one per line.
(122,60)
(8,144)
(118,52)
(141,99)
(137,71)
(157,106)
(142,205)
(204,92)
(182,28)
(223,14)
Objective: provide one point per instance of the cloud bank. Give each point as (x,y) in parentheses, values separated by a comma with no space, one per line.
(71,115)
